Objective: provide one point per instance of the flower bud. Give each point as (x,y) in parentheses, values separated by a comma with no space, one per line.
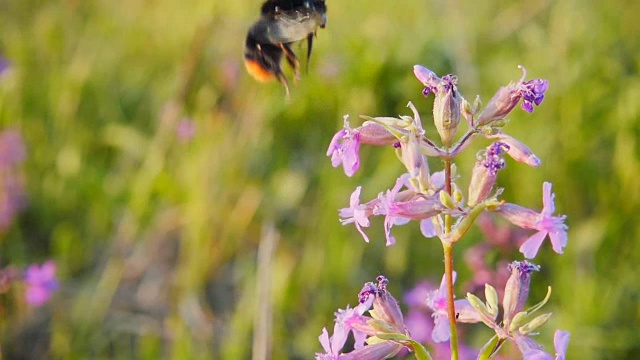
(501,104)
(467,111)
(485,172)
(507,98)
(516,291)
(480,307)
(427,77)
(385,307)
(446,109)
(457,195)
(518,320)
(534,324)
(446,200)
(491,295)
(517,150)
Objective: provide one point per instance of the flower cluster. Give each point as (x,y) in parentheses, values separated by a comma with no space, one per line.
(380,335)
(435,200)
(418,194)
(40,281)
(517,325)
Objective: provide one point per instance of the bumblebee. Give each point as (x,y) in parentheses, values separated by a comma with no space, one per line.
(282,23)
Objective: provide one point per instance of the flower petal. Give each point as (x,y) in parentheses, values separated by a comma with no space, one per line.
(530,247)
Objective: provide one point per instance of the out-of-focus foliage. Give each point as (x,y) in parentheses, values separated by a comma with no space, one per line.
(227,244)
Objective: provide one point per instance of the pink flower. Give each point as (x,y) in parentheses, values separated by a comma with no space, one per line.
(41,283)
(532,351)
(507,97)
(544,222)
(386,206)
(560,343)
(356,213)
(352,320)
(186,130)
(330,346)
(437,301)
(345,149)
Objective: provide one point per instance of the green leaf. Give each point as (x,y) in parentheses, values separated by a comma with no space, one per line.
(419,351)
(489,349)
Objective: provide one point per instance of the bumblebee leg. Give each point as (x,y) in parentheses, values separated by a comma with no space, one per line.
(292,59)
(285,83)
(309,47)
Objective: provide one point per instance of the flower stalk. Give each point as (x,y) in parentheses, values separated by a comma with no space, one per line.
(451,310)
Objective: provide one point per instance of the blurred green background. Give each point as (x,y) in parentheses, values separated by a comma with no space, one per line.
(227,245)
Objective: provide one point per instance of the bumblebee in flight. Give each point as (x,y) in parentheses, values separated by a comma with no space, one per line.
(281,23)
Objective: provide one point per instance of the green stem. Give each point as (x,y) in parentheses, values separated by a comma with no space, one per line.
(448,268)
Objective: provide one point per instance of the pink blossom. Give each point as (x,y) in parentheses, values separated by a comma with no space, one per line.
(437,302)
(544,222)
(356,213)
(41,283)
(345,149)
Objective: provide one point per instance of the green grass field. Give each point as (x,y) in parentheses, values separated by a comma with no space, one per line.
(228,245)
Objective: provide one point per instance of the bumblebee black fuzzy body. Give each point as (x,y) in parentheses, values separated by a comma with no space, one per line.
(281,23)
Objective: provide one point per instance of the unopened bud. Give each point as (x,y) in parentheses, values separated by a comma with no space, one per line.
(517,150)
(518,320)
(477,104)
(385,307)
(491,295)
(482,310)
(446,109)
(501,104)
(485,172)
(467,111)
(535,324)
(446,200)
(516,291)
(478,304)
(457,195)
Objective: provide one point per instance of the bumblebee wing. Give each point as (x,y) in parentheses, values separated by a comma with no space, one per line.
(271,7)
(292,26)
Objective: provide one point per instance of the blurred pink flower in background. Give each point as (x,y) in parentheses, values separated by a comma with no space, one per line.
(186,130)
(41,283)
